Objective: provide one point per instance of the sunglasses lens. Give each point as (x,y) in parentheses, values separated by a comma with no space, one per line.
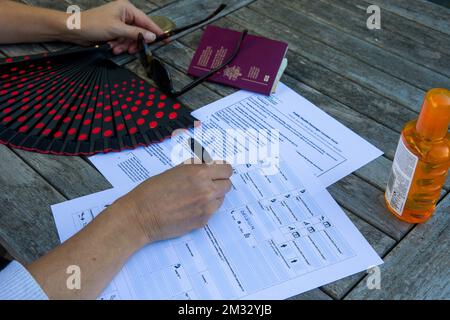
(161,76)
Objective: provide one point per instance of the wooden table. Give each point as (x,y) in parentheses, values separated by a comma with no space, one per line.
(373,81)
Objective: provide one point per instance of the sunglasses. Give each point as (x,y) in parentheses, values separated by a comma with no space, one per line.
(156,70)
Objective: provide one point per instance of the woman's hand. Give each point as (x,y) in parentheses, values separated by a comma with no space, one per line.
(117,22)
(177,201)
(165,206)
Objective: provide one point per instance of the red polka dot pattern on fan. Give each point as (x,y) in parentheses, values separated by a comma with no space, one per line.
(78,102)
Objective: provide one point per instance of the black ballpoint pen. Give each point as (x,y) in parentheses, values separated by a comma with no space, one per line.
(200,151)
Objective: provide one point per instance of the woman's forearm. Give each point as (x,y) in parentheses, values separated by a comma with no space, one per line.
(23,23)
(99,251)
(117,22)
(165,206)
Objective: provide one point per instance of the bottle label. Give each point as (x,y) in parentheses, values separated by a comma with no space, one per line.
(401,176)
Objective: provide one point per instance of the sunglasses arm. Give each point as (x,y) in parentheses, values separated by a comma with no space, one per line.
(170,33)
(201,79)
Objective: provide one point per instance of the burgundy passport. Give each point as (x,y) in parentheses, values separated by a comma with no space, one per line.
(255,67)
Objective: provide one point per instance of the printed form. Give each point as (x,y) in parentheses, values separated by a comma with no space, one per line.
(308,135)
(274,237)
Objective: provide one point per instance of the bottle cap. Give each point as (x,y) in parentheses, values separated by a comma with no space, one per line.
(434,117)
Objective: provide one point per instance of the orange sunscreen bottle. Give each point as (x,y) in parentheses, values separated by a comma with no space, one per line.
(421,161)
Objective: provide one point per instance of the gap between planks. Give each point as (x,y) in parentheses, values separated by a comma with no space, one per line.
(397,243)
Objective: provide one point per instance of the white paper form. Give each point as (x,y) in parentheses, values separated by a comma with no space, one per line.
(307,134)
(274,237)
(131,167)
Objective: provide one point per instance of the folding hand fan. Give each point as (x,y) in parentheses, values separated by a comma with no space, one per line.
(78,102)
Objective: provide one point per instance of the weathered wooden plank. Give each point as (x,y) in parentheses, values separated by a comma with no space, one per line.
(447,183)
(377,239)
(377,172)
(144,5)
(57,46)
(435,40)
(86,4)
(386,50)
(20,49)
(447,194)
(63,4)
(187,11)
(57,5)
(367,202)
(12,50)
(162,3)
(379,135)
(345,65)
(315,294)
(26,222)
(71,176)
(419,11)
(418,267)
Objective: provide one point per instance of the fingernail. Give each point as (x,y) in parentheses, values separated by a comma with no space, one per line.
(149,37)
